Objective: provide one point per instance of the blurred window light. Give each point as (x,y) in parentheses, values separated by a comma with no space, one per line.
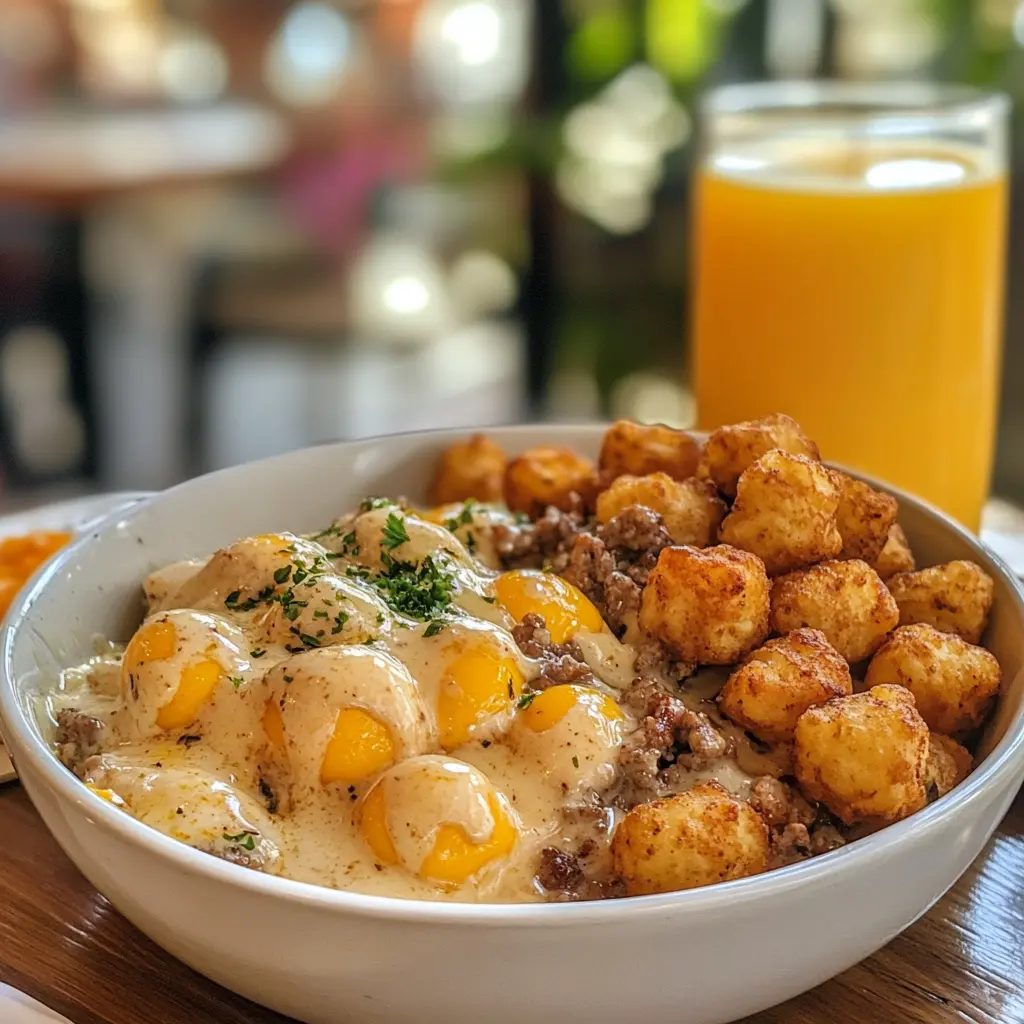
(573,394)
(193,68)
(481,283)
(310,54)
(464,134)
(398,292)
(473,52)
(649,398)
(1018,24)
(897,40)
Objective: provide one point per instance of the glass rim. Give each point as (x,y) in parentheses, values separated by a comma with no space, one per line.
(804,100)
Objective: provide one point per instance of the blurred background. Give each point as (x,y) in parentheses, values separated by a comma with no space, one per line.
(229,228)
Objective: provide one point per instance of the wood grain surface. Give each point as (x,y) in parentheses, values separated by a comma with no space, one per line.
(61,942)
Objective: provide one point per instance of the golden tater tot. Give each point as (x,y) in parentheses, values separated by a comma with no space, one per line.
(953,682)
(549,476)
(709,606)
(469,469)
(845,600)
(690,509)
(954,597)
(864,756)
(778,682)
(864,518)
(896,556)
(948,765)
(785,512)
(637,449)
(692,839)
(729,450)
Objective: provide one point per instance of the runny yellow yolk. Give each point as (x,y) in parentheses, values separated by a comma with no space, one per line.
(548,708)
(440,514)
(565,609)
(106,794)
(198,681)
(476,686)
(361,747)
(454,856)
(158,641)
(273,539)
(273,726)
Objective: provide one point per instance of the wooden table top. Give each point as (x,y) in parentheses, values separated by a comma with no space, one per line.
(61,942)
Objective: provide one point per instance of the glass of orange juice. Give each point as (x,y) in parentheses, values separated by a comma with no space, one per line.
(849,248)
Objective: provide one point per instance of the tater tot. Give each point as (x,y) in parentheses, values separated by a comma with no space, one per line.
(692,839)
(864,756)
(954,597)
(845,600)
(896,556)
(709,606)
(637,449)
(785,512)
(690,509)
(864,518)
(778,682)
(469,469)
(948,765)
(953,682)
(549,476)
(729,450)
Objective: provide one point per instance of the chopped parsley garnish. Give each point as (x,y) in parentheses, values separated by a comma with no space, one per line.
(511,688)
(187,739)
(395,533)
(434,628)
(370,503)
(339,622)
(288,679)
(244,839)
(526,700)
(422,592)
(370,640)
(236,681)
(233,604)
(257,652)
(380,618)
(331,531)
(521,518)
(575,761)
(320,614)
(282,574)
(464,518)
(307,640)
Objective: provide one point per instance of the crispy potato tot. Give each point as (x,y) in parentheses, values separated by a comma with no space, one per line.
(778,682)
(549,476)
(948,765)
(864,756)
(729,450)
(954,683)
(636,449)
(864,518)
(896,556)
(469,469)
(690,509)
(692,839)
(954,597)
(785,512)
(845,600)
(709,606)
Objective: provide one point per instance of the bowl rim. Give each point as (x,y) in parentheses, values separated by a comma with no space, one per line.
(24,739)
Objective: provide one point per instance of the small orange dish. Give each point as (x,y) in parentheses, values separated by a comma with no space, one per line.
(21,555)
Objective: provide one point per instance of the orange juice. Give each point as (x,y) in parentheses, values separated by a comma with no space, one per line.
(858,287)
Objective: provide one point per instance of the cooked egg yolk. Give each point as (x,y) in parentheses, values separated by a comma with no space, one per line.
(361,747)
(548,708)
(454,857)
(156,641)
(373,823)
(198,681)
(106,794)
(440,514)
(476,686)
(565,609)
(272,539)
(273,726)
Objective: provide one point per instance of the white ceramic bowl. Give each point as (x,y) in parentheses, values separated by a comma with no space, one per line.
(711,954)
